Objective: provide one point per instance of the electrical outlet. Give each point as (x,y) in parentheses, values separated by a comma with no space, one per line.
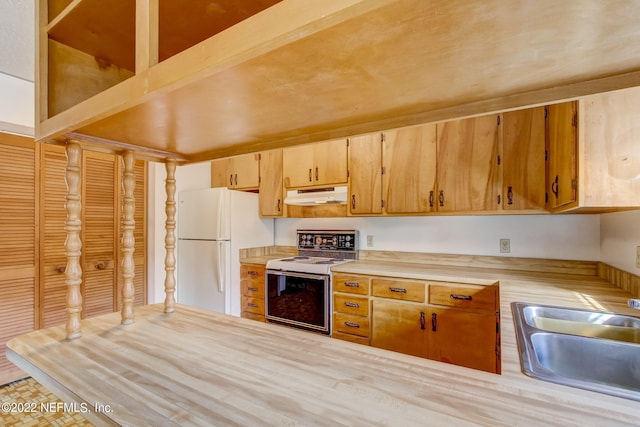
(369,240)
(505,246)
(637,256)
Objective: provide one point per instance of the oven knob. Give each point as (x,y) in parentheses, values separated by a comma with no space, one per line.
(348,244)
(348,238)
(335,241)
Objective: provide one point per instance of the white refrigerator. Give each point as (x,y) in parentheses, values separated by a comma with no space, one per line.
(213,225)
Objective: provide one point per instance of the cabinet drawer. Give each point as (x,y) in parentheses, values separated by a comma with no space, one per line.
(351,284)
(252,305)
(251,288)
(460,295)
(397,289)
(252,272)
(350,324)
(351,304)
(351,338)
(253,316)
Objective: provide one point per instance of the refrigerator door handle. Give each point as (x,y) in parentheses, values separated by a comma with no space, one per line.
(219,268)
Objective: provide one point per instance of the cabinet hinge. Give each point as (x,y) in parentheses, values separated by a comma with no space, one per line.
(499,199)
(546,155)
(382,137)
(348,142)
(499,159)
(574,120)
(546,112)
(546,198)
(382,170)
(259,179)
(382,203)
(348,173)
(498,120)
(259,156)
(574,184)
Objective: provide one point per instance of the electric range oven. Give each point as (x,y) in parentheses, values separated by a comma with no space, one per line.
(298,288)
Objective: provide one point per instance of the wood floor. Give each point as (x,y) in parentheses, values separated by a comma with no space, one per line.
(31,397)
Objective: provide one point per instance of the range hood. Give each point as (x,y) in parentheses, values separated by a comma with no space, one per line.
(317,196)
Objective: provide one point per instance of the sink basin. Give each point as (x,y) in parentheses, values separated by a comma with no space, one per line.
(580,348)
(583,322)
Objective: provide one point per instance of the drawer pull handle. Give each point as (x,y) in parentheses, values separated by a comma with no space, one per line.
(253,289)
(252,273)
(352,324)
(352,284)
(398,290)
(434,322)
(462,297)
(252,304)
(422,321)
(61,268)
(352,304)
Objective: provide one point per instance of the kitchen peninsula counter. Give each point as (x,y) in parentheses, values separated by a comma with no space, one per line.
(194,367)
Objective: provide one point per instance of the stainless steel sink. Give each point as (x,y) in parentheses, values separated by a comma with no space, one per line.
(580,348)
(582,322)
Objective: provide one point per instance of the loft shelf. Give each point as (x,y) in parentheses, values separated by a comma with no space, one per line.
(298,71)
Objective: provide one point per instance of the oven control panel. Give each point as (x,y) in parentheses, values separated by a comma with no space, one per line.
(328,240)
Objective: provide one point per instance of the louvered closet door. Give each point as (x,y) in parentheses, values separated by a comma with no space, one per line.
(99,218)
(140,234)
(52,236)
(18,257)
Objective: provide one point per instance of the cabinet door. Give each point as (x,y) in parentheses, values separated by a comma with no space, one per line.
(409,159)
(468,159)
(464,338)
(297,166)
(330,162)
(270,190)
(18,195)
(244,171)
(399,326)
(523,164)
(52,235)
(562,149)
(219,175)
(99,231)
(365,174)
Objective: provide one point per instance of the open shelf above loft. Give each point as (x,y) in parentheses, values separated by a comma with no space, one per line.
(297,72)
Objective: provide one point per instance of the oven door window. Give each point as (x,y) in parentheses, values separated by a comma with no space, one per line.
(299,299)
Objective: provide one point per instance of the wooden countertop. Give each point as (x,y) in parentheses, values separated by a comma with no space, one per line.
(195,367)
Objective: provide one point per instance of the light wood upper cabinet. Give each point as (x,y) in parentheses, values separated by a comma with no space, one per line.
(244,171)
(313,165)
(523,159)
(409,159)
(219,175)
(562,152)
(467,177)
(609,151)
(271,198)
(365,174)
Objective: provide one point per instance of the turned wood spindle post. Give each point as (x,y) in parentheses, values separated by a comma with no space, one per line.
(73,243)
(128,239)
(170,238)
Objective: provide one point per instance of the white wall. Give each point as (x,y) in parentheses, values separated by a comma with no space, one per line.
(191,177)
(620,235)
(17,105)
(537,236)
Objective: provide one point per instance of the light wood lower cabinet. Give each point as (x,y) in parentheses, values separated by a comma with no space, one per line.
(252,300)
(455,323)
(400,326)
